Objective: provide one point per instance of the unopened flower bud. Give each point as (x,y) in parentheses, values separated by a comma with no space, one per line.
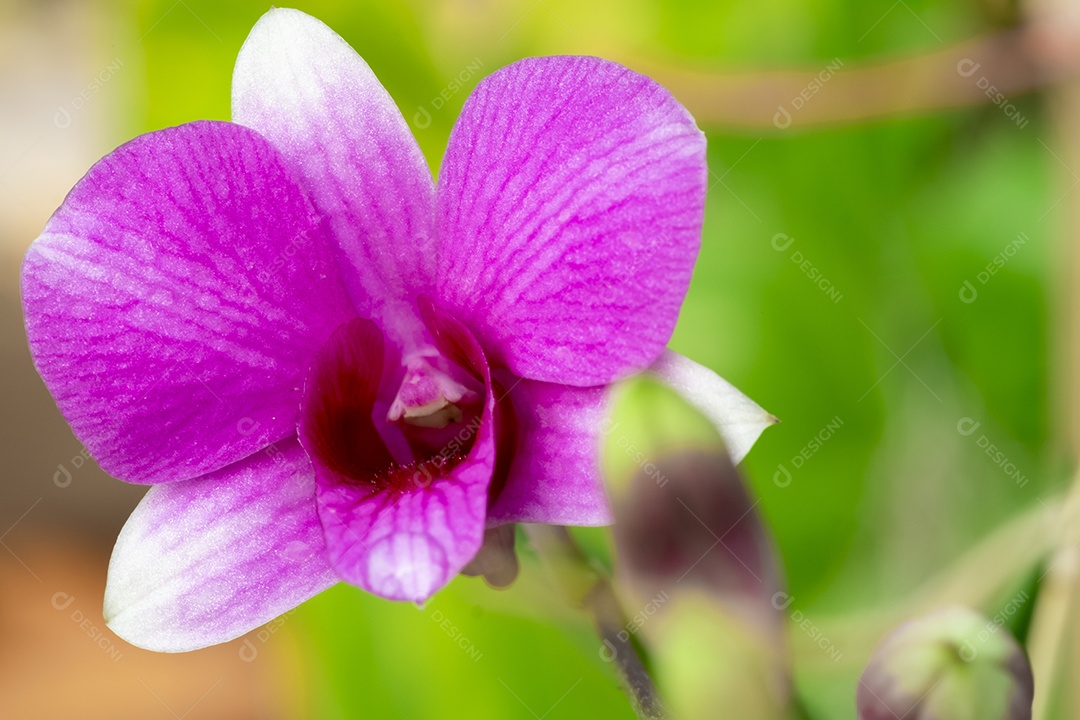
(687,520)
(951,665)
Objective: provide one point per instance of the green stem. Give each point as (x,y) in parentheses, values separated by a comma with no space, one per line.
(586,586)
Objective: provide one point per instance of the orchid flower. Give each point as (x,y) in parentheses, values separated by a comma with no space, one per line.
(328,366)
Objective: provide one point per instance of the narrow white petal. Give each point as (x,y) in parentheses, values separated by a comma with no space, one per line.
(738,419)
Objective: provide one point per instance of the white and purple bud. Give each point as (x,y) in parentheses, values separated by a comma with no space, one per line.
(951,665)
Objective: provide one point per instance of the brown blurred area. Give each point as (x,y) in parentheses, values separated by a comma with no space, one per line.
(59,513)
(58,660)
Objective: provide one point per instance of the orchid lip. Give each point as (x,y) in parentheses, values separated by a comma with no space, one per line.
(402,506)
(434,415)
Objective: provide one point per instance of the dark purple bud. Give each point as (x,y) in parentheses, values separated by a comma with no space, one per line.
(686,521)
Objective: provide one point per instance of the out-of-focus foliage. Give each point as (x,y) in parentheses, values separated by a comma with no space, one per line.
(868,486)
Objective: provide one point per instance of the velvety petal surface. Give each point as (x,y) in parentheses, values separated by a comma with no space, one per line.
(555,474)
(203,561)
(738,419)
(399,531)
(300,84)
(175,299)
(569,210)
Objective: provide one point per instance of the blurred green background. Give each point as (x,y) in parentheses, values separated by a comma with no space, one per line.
(829,289)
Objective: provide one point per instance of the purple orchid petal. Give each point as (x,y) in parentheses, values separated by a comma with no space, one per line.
(569,210)
(739,420)
(175,299)
(555,473)
(203,561)
(301,86)
(401,531)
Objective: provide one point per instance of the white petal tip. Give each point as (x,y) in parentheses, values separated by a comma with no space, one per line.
(738,419)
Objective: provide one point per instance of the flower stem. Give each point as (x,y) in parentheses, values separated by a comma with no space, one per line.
(588,587)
